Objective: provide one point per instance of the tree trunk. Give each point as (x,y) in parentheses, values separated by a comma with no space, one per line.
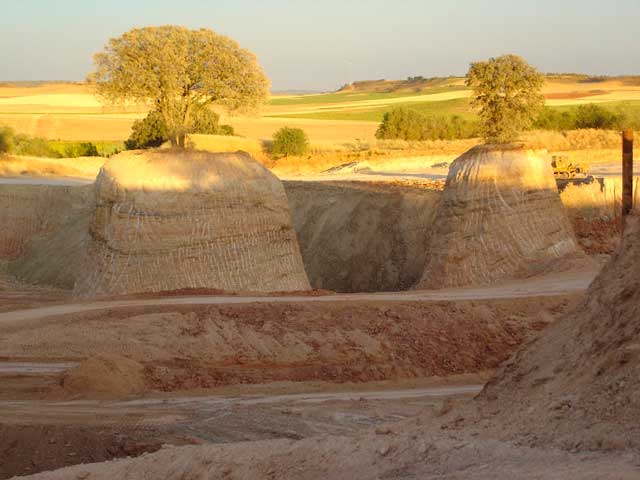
(181,139)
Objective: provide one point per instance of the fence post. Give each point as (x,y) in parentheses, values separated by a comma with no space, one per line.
(627,172)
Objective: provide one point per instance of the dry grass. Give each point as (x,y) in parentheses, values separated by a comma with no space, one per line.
(228,143)
(596,199)
(116,127)
(573,140)
(81,167)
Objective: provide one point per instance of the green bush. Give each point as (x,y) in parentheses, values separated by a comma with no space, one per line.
(6,140)
(583,117)
(71,149)
(406,124)
(225,130)
(34,147)
(289,141)
(151,131)
(552,119)
(595,116)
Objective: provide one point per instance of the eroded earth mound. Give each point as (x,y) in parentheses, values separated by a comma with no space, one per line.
(500,218)
(579,384)
(168,220)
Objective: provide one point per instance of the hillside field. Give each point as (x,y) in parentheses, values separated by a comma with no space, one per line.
(70,111)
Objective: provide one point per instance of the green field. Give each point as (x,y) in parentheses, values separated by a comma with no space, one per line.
(343,97)
(460,107)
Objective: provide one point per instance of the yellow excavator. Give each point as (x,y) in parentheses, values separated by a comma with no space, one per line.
(564,169)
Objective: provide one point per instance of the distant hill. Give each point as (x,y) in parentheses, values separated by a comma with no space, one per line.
(410,85)
(421,84)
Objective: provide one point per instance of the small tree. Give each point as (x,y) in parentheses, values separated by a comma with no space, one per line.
(177,71)
(508,93)
(289,141)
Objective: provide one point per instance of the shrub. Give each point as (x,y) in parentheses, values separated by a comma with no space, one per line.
(33,146)
(80,149)
(552,119)
(6,140)
(406,124)
(595,116)
(151,131)
(289,141)
(225,130)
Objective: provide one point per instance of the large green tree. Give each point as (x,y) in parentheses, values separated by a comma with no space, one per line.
(507,91)
(178,71)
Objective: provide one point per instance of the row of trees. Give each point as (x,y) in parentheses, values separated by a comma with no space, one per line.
(407,124)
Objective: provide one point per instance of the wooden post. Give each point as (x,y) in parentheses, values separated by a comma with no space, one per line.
(627,172)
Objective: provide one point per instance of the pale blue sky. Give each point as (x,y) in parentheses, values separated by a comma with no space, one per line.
(321,44)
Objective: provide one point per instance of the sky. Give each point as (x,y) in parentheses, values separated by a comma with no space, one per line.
(323,44)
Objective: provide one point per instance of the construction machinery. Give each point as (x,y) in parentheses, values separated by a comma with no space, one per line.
(564,169)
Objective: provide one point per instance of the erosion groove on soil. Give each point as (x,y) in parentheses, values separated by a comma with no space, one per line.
(500,217)
(173,219)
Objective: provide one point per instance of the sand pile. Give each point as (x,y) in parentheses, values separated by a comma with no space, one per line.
(500,218)
(358,237)
(111,376)
(579,384)
(167,220)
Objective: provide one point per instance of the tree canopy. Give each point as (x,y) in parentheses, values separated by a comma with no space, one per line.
(178,71)
(508,93)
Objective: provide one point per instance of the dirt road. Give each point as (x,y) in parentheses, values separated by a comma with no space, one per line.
(563,283)
(45,435)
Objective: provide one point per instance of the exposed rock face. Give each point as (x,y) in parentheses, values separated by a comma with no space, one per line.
(358,237)
(500,218)
(168,220)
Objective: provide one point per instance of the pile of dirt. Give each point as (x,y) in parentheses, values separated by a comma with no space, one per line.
(198,346)
(171,219)
(500,218)
(362,237)
(578,385)
(105,375)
